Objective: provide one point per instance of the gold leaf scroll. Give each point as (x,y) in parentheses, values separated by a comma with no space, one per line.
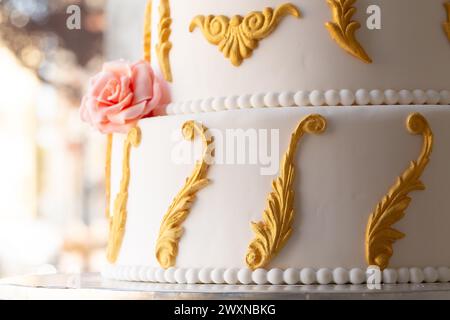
(272,233)
(164,46)
(108,175)
(148,31)
(239,36)
(380,235)
(343,29)
(171,229)
(119,219)
(447,23)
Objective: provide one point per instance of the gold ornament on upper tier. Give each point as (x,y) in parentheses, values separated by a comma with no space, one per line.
(447,23)
(343,29)
(171,229)
(148,31)
(272,233)
(239,36)
(380,235)
(164,46)
(119,219)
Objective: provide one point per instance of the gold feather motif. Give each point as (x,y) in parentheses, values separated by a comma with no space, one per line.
(343,29)
(171,229)
(380,235)
(272,233)
(164,46)
(119,219)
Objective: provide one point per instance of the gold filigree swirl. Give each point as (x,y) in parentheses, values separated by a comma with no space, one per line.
(164,46)
(239,36)
(118,222)
(272,233)
(171,229)
(343,29)
(380,235)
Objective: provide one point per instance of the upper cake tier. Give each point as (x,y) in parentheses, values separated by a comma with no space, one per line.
(223,48)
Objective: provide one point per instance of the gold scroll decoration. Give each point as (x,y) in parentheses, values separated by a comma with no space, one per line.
(272,233)
(148,31)
(171,229)
(380,235)
(118,221)
(447,23)
(239,36)
(342,29)
(108,175)
(164,46)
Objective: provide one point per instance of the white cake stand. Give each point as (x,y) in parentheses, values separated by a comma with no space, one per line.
(93,287)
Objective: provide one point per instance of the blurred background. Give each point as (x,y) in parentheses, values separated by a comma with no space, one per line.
(51,164)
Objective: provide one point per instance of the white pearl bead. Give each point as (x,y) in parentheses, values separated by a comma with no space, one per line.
(160,275)
(245,276)
(301,99)
(231,276)
(231,103)
(259,276)
(169,275)
(257,100)
(196,106)
(286,99)
(317,98)
(419,97)
(433,97)
(150,275)
(275,276)
(405,97)
(308,276)
(391,97)
(390,276)
(218,104)
(217,276)
(271,100)
(291,276)
(444,274)
(206,105)
(192,276)
(244,102)
(347,97)
(376,97)
(431,275)
(357,276)
(324,276)
(403,275)
(332,98)
(445,97)
(416,275)
(204,275)
(362,97)
(186,107)
(180,276)
(341,276)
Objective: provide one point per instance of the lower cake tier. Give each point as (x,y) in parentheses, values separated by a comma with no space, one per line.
(283,195)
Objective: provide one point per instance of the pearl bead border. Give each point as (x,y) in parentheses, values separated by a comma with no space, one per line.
(316,98)
(291,276)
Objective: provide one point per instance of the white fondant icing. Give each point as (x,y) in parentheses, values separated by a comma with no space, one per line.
(299,54)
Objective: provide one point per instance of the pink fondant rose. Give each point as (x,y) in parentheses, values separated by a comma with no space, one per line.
(122,94)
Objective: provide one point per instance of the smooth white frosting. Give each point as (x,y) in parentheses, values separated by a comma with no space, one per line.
(342,175)
(300,54)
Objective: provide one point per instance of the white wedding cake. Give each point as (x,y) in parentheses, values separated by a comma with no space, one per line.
(316,143)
